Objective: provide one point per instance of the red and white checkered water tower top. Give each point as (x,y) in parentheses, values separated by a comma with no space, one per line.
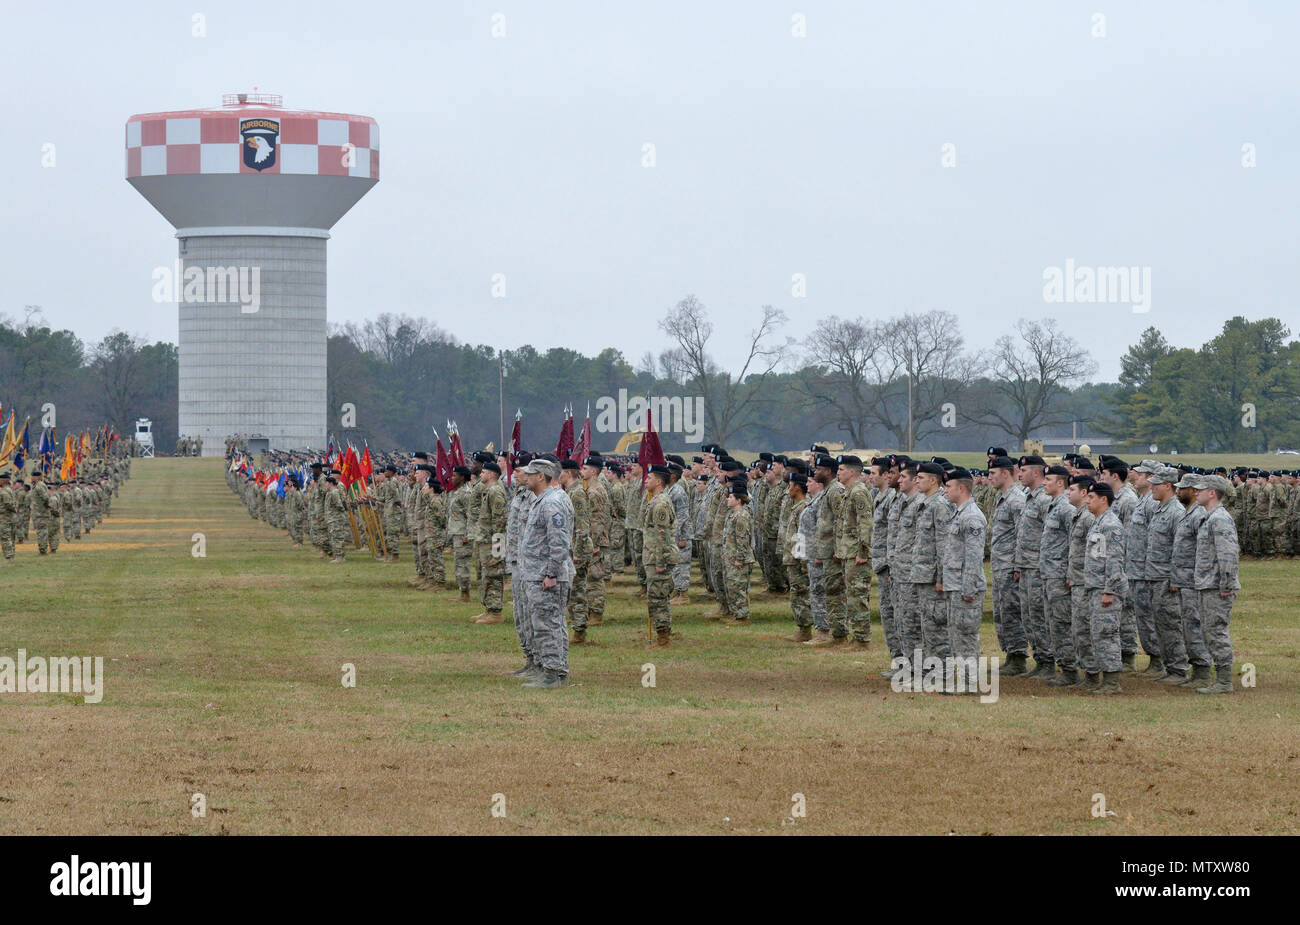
(252,162)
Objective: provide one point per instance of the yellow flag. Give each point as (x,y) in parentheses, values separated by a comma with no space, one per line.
(66,471)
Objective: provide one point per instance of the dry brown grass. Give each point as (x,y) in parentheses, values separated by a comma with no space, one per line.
(226,682)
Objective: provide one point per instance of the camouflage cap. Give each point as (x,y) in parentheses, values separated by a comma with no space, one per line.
(1189,480)
(1217,482)
(1166,475)
(1149,466)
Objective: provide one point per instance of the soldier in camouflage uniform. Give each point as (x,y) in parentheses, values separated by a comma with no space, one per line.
(1029,537)
(571,481)
(388,499)
(521,500)
(545,568)
(633,496)
(1162,528)
(293,505)
(684,533)
(22,509)
(615,556)
(492,529)
(42,501)
(1182,581)
(1053,570)
(737,553)
(336,519)
(433,524)
(926,575)
(794,557)
(659,551)
(1080,607)
(1114,472)
(1216,579)
(778,502)
(1141,588)
(462,549)
(601,513)
(884,476)
(962,582)
(907,616)
(853,547)
(825,549)
(1008,620)
(731,472)
(8,509)
(1107,587)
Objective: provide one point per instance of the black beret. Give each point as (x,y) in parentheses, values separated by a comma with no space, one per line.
(1084,480)
(940,460)
(614,468)
(492,467)
(847,460)
(1032,460)
(674,458)
(797,478)
(996,451)
(569,464)
(739,489)
(661,471)
(424,468)
(826,462)
(731,466)
(318,465)
(596,461)
(765,456)
(420,454)
(781,458)
(818,448)
(697,459)
(1058,470)
(959,473)
(461,470)
(932,468)
(1083,462)
(483,456)
(1003,462)
(797,465)
(1103,490)
(718,451)
(522,458)
(707,447)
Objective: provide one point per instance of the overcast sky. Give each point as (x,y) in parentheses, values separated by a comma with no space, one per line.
(775,155)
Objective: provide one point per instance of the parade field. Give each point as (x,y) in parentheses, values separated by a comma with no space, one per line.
(223,677)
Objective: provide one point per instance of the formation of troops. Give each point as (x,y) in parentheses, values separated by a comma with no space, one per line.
(1090,563)
(189,446)
(57,509)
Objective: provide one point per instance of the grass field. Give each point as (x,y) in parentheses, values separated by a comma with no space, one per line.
(223,678)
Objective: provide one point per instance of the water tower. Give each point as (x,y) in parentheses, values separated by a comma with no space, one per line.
(252,189)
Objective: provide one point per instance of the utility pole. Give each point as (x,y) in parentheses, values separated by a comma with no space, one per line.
(910,431)
(501,384)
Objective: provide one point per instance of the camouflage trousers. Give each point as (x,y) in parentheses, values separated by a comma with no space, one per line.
(494,575)
(1103,626)
(1144,614)
(1189,601)
(796,579)
(964,620)
(933,610)
(702,557)
(778,580)
(47,533)
(817,596)
(614,562)
(1007,620)
(549,638)
(437,562)
(476,556)
(737,579)
(682,570)
(420,543)
(7,538)
(461,550)
(295,530)
(1169,627)
(1128,636)
(837,603)
(908,618)
(1216,613)
(637,542)
(338,542)
(1080,629)
(857,598)
(886,592)
(1060,622)
(55,529)
(577,597)
(523,624)
(658,588)
(393,536)
(596,582)
(719,579)
(1032,614)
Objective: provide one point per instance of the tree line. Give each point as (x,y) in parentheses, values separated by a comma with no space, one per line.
(906,381)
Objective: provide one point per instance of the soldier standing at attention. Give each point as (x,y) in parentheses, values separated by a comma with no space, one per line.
(825,469)
(1080,619)
(521,503)
(1029,537)
(1054,571)
(1106,584)
(545,573)
(1114,472)
(796,565)
(600,513)
(1007,618)
(293,502)
(962,582)
(853,541)
(458,528)
(336,518)
(571,482)
(932,516)
(1216,578)
(806,530)
(1182,580)
(492,525)
(884,480)
(1135,566)
(615,557)
(738,552)
(632,498)
(1162,528)
(684,535)
(659,551)
(8,506)
(41,515)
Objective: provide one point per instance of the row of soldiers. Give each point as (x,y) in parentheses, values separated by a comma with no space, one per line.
(189,446)
(54,508)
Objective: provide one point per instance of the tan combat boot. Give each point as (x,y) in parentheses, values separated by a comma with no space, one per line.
(802,634)
(821,638)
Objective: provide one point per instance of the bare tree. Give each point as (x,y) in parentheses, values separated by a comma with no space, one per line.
(119,366)
(729,402)
(844,354)
(1028,373)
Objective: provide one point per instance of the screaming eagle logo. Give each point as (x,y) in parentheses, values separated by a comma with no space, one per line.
(260,137)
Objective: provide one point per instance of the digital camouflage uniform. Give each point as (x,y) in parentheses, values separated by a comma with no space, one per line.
(880,565)
(336,522)
(1080,607)
(853,542)
(963,577)
(1162,527)
(582,552)
(824,551)
(1054,568)
(659,552)
(796,567)
(521,503)
(457,528)
(545,552)
(1215,575)
(433,525)
(738,558)
(1183,577)
(931,532)
(1007,618)
(492,525)
(809,518)
(8,509)
(600,512)
(1029,536)
(1104,574)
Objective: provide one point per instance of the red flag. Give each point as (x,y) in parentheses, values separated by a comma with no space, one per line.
(442,467)
(650,454)
(513,447)
(349,469)
(564,449)
(457,451)
(367,466)
(583,448)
